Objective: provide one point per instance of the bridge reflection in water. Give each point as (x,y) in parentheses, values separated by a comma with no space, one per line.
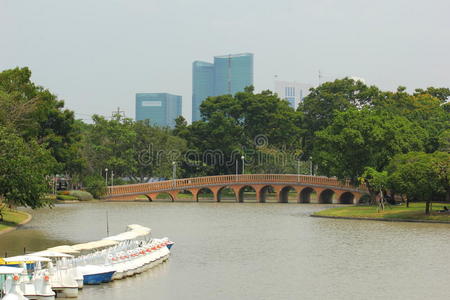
(307,189)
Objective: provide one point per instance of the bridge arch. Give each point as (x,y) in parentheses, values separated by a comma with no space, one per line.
(201,194)
(249,190)
(347,198)
(306,195)
(284,194)
(164,196)
(267,192)
(225,193)
(326,197)
(185,195)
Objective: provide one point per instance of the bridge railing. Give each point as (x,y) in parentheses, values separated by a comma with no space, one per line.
(228,179)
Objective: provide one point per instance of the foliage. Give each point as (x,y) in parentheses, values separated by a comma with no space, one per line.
(422,109)
(37,115)
(95,185)
(136,150)
(233,126)
(66,197)
(419,175)
(81,195)
(23,170)
(323,103)
(357,139)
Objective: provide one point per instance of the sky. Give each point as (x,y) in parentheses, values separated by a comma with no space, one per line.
(95,55)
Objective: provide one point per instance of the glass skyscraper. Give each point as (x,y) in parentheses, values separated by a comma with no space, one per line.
(228,75)
(160,108)
(202,85)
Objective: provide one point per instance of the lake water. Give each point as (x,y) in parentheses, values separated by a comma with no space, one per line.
(255,251)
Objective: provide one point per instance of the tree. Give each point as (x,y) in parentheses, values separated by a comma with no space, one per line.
(232,126)
(156,148)
(441,166)
(440,93)
(23,170)
(37,114)
(376,183)
(423,109)
(95,185)
(324,102)
(420,175)
(357,139)
(109,144)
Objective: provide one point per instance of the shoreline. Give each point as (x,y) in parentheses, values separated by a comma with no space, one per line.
(415,213)
(381,219)
(12,228)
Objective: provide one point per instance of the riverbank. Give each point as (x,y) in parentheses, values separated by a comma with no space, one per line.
(400,213)
(13,219)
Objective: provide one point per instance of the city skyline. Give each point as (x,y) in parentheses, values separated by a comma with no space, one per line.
(97,59)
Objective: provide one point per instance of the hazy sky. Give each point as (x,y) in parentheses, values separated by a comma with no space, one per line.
(96,54)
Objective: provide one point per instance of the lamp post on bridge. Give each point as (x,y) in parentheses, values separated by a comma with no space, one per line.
(112,178)
(174,172)
(106,176)
(243,164)
(106,179)
(311,165)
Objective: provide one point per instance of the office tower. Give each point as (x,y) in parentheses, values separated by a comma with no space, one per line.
(228,75)
(292,91)
(232,73)
(202,85)
(160,108)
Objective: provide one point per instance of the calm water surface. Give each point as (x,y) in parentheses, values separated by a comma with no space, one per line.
(255,251)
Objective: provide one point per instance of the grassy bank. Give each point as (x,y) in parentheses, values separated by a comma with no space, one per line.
(11,219)
(416,211)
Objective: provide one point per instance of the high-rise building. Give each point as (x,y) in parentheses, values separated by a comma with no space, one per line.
(160,108)
(292,91)
(232,73)
(202,85)
(228,75)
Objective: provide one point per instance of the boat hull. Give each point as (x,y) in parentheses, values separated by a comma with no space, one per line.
(98,278)
(66,292)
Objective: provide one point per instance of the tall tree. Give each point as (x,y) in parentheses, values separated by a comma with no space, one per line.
(421,176)
(421,108)
(324,102)
(232,126)
(357,139)
(37,114)
(23,170)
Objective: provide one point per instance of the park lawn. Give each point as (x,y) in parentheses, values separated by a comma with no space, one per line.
(12,218)
(416,211)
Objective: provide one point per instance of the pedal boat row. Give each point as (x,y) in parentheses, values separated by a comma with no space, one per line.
(56,272)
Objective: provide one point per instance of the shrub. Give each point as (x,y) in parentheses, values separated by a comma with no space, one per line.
(66,197)
(81,195)
(95,185)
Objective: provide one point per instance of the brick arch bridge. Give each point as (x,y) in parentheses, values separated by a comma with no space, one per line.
(307,189)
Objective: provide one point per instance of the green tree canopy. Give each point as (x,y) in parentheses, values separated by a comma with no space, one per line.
(357,139)
(421,176)
(325,101)
(36,114)
(24,169)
